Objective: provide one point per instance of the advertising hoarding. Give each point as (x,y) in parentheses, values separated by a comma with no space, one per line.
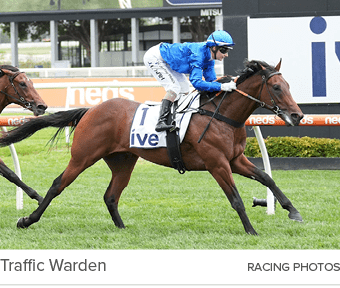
(310,52)
(75,97)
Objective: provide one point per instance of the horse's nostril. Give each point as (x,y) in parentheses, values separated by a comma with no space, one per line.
(42,107)
(297,117)
(40,110)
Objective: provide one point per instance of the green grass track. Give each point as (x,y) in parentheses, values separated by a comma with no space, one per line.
(162,209)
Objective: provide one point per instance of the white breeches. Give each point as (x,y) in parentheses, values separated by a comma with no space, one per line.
(168,78)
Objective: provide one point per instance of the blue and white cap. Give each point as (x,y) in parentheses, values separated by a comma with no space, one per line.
(220,38)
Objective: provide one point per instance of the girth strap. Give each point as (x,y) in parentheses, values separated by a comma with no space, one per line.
(173,144)
(174,151)
(222,118)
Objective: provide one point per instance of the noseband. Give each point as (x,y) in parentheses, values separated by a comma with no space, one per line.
(276,109)
(20,98)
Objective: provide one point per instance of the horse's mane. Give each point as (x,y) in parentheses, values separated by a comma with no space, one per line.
(250,68)
(9,67)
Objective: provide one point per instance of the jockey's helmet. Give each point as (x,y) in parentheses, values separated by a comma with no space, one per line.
(220,38)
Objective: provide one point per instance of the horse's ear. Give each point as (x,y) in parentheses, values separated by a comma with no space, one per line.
(278,66)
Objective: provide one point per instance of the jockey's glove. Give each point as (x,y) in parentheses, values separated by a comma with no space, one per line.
(228,87)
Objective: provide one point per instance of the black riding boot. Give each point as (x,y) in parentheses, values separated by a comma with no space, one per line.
(163,116)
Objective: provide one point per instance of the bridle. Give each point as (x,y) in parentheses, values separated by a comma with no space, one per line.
(275,108)
(20,98)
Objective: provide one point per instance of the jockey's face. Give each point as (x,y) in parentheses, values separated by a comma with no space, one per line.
(219,55)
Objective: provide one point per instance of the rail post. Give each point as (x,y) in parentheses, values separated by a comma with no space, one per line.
(19,194)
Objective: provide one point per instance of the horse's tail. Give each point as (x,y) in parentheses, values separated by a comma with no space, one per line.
(59,120)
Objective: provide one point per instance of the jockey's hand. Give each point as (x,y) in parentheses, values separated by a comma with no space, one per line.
(228,87)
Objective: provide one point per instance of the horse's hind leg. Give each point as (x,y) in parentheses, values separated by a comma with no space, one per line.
(72,171)
(244,167)
(35,216)
(121,165)
(12,177)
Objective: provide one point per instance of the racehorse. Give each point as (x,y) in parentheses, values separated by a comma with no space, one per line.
(16,88)
(102,132)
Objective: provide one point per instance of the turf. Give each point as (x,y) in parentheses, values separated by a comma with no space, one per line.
(162,209)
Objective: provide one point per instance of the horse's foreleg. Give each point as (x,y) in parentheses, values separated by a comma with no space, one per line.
(12,177)
(121,166)
(244,167)
(237,203)
(226,182)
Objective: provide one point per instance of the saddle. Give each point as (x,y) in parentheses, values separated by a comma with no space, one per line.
(144,136)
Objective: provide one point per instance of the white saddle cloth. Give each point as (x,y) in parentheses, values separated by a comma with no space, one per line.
(143,133)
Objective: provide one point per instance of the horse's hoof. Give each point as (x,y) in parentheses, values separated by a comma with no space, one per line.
(119,224)
(295,216)
(20,223)
(254,233)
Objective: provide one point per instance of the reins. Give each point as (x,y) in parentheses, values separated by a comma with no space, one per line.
(21,99)
(213,116)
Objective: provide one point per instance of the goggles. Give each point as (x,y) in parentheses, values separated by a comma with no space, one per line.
(224,49)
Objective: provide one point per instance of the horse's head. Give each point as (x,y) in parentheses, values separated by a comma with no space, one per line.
(274,91)
(18,89)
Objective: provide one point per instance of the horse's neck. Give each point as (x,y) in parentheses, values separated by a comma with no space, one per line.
(3,103)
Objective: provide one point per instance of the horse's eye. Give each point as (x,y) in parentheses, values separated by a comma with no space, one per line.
(277,87)
(23,84)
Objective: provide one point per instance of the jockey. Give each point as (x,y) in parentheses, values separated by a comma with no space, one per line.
(169,63)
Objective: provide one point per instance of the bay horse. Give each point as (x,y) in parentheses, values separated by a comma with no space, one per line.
(16,88)
(102,132)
